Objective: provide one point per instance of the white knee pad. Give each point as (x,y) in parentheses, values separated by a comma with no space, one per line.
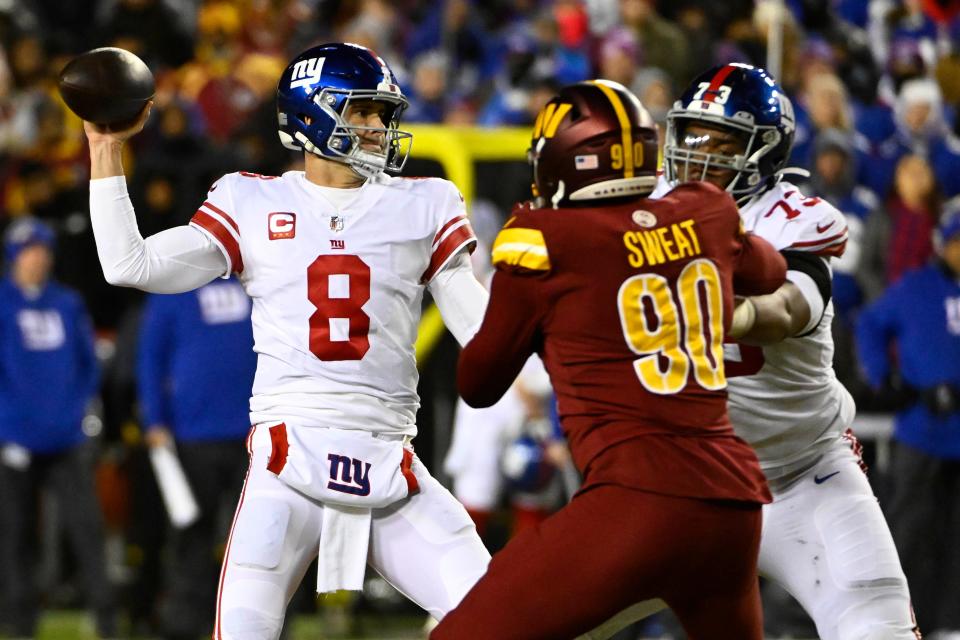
(858,545)
(253,597)
(872,597)
(885,616)
(249,624)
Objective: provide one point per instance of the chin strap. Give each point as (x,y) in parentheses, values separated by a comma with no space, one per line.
(558,196)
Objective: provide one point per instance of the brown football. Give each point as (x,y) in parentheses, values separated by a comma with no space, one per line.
(108,86)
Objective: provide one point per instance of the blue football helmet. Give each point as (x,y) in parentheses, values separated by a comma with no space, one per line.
(746,100)
(313,96)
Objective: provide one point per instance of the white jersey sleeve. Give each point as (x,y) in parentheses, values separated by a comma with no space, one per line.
(216,218)
(454,233)
(172,261)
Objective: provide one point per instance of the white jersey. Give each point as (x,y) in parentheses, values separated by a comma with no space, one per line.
(785,399)
(336,290)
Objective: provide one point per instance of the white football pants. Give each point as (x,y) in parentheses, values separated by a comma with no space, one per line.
(426,546)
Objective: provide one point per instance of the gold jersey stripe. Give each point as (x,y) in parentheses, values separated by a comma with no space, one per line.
(522,248)
(625,131)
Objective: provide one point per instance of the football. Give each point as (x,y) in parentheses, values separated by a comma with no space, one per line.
(107,86)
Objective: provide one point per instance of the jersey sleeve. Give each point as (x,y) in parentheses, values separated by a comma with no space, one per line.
(216,217)
(521,247)
(507,337)
(454,232)
(819,227)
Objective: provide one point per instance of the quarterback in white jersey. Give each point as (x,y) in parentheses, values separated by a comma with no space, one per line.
(824,537)
(336,260)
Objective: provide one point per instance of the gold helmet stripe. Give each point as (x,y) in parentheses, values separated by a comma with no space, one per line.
(625,128)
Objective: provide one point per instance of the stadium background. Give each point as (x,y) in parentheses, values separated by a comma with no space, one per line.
(476,73)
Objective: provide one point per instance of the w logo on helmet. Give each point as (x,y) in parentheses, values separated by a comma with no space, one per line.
(306,73)
(549,119)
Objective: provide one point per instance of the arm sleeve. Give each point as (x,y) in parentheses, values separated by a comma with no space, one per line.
(812,276)
(876,327)
(460,297)
(760,269)
(508,336)
(172,261)
(153,352)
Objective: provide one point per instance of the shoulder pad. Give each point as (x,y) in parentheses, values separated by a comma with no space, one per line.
(520,246)
(821,228)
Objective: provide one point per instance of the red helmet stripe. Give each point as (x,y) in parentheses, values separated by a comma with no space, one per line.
(711,93)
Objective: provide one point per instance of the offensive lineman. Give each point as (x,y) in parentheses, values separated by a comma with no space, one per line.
(336,260)
(825,539)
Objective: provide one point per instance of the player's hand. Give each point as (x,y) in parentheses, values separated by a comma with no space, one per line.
(158,436)
(103,134)
(744,317)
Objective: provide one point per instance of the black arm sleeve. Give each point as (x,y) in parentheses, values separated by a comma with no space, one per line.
(815,267)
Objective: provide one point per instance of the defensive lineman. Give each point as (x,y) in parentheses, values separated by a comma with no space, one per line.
(336,260)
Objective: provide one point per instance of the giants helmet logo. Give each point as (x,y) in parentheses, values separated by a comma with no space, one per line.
(306,73)
(282,225)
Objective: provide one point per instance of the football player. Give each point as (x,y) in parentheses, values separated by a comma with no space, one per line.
(626,300)
(825,539)
(336,259)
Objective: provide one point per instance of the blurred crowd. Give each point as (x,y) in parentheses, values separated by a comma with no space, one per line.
(875,85)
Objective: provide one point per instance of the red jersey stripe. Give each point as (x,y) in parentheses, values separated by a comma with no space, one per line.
(459,237)
(711,93)
(220,233)
(279,448)
(444,228)
(833,251)
(840,237)
(413,486)
(223,213)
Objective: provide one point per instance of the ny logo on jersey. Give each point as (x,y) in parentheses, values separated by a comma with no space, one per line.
(223,303)
(306,73)
(338,244)
(282,225)
(42,330)
(953,315)
(341,479)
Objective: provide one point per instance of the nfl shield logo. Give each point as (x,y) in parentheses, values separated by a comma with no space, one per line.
(336,223)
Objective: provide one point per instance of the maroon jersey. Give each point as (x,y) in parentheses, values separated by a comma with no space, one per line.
(627,305)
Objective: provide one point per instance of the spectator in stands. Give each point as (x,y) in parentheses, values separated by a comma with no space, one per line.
(454,27)
(922,129)
(919,318)
(155,25)
(825,104)
(195,369)
(664,43)
(620,58)
(429,93)
(896,237)
(48,376)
